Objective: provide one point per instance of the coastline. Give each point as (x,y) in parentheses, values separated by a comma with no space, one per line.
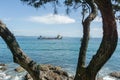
(18,73)
(63,53)
(47,71)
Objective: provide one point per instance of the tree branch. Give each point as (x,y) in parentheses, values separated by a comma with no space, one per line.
(18,55)
(86,30)
(84,43)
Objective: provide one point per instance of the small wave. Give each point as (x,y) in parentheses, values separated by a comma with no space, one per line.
(109,78)
(3,76)
(16,78)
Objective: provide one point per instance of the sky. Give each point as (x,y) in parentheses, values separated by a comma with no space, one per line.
(24,20)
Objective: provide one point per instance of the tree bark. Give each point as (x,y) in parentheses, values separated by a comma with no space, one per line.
(81,69)
(18,55)
(105,51)
(110,37)
(107,46)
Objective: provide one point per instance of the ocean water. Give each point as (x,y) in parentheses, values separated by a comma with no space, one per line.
(62,53)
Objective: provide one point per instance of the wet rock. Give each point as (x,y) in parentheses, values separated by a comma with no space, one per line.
(115,74)
(19,69)
(3,67)
(2,64)
(100,78)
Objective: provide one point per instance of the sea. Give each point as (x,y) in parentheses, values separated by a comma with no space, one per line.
(63,53)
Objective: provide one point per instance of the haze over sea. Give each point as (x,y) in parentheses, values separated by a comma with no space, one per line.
(62,53)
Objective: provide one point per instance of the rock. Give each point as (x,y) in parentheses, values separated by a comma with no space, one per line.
(115,74)
(55,68)
(28,77)
(44,68)
(2,64)
(19,69)
(71,78)
(49,72)
(3,67)
(61,72)
(100,78)
(47,67)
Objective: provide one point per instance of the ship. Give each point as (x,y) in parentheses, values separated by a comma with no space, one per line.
(50,38)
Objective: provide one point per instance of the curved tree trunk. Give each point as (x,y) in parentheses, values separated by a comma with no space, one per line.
(110,37)
(105,51)
(18,55)
(81,70)
(107,47)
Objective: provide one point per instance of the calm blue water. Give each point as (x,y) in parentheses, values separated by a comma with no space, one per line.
(62,53)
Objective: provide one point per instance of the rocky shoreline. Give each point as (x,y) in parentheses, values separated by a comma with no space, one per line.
(50,72)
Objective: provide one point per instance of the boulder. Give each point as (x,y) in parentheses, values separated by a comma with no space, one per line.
(28,77)
(3,67)
(19,69)
(43,67)
(115,74)
(2,64)
(50,72)
(61,72)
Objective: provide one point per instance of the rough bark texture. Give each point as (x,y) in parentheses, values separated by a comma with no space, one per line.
(103,54)
(81,70)
(18,55)
(37,72)
(107,46)
(110,37)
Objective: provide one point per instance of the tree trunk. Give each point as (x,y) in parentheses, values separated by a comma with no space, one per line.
(103,54)
(110,36)
(107,46)
(18,55)
(81,69)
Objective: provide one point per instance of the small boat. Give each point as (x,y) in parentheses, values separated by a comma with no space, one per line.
(50,38)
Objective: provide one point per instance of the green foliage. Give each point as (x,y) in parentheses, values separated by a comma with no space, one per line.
(71,3)
(75,4)
(38,3)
